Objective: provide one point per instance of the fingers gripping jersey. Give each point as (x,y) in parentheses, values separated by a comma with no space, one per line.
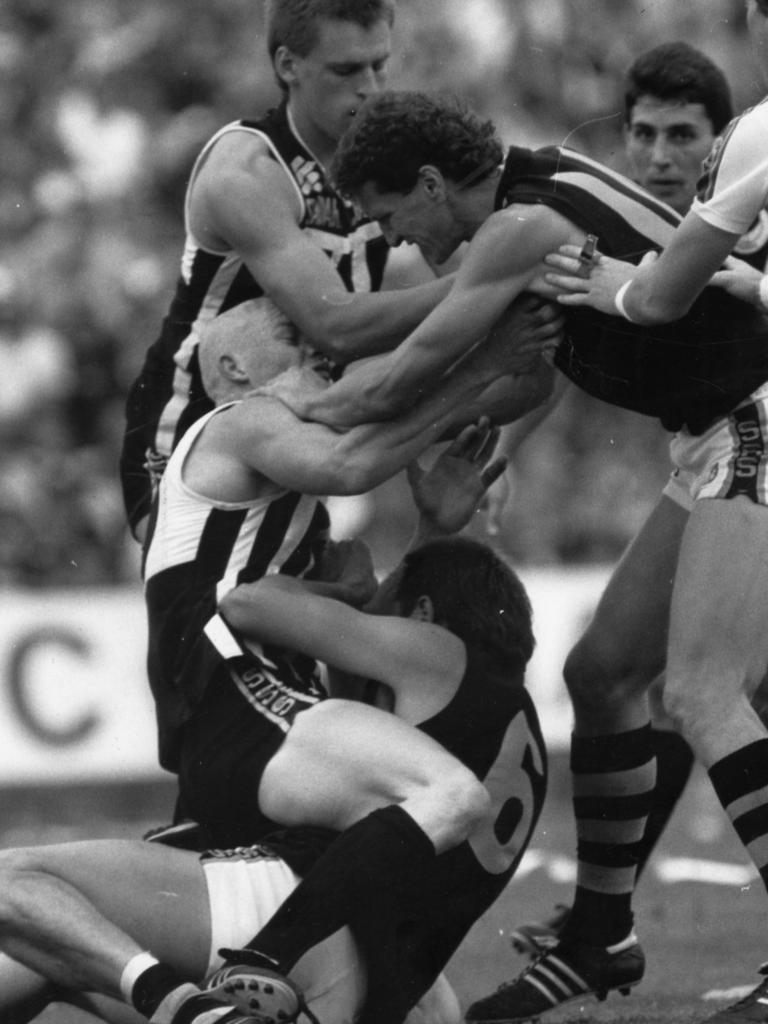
(687,373)
(168,395)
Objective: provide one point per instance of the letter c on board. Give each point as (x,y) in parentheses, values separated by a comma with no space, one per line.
(17,684)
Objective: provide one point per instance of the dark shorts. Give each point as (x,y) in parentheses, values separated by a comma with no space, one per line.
(242,720)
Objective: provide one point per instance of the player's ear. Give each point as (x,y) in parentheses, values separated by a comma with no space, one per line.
(284,65)
(432,181)
(231,369)
(424,610)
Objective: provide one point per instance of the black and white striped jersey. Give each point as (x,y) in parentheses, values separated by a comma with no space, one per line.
(168,395)
(197,550)
(688,373)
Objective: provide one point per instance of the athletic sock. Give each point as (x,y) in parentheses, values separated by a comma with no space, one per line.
(384,852)
(145,984)
(740,780)
(613,780)
(674,763)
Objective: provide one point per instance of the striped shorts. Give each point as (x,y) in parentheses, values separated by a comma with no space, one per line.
(728,460)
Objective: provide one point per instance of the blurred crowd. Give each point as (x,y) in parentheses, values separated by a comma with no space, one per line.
(103,106)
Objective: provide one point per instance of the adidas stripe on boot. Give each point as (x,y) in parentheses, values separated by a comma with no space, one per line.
(569,971)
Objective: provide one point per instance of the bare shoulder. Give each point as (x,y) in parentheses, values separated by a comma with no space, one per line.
(239,181)
(221,461)
(427,669)
(533,222)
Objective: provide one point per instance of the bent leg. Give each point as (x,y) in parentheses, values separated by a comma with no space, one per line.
(342,760)
(398,795)
(612,753)
(65,914)
(718,643)
(718,650)
(624,648)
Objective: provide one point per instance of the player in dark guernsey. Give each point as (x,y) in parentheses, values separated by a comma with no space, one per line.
(261,216)
(448,663)
(243,721)
(431,173)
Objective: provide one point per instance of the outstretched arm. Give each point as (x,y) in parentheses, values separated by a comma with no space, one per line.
(409,657)
(244,200)
(659,290)
(502,260)
(266,436)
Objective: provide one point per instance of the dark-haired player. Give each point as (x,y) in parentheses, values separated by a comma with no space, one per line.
(688,596)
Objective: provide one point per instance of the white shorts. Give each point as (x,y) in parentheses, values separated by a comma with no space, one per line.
(729,459)
(245,888)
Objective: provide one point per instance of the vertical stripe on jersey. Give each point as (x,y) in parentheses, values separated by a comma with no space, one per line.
(271,535)
(302,556)
(217,539)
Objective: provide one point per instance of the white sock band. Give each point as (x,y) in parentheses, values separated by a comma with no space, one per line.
(131,972)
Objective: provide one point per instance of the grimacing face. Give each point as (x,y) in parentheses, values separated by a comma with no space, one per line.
(416,217)
(666,143)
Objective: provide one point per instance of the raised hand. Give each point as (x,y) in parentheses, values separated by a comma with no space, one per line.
(449,494)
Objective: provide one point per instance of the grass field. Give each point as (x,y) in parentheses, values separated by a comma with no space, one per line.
(700,934)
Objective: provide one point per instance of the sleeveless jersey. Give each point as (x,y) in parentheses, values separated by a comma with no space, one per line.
(198,549)
(688,373)
(733,188)
(168,395)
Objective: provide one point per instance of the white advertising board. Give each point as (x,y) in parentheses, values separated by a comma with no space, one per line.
(74,701)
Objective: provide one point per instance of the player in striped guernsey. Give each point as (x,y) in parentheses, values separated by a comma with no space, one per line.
(261,216)
(430,172)
(240,500)
(82,915)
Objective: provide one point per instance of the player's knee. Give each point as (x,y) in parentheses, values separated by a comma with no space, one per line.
(693,709)
(596,676)
(466,804)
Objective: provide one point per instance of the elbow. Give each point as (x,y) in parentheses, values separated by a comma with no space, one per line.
(353,470)
(333,337)
(659,310)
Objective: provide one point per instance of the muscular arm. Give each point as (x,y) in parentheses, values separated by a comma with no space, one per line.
(268,439)
(421,662)
(500,263)
(243,199)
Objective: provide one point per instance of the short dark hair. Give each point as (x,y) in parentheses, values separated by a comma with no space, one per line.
(294,23)
(678,71)
(394,134)
(474,594)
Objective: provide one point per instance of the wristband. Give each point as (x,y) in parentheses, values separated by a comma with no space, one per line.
(619,301)
(762,292)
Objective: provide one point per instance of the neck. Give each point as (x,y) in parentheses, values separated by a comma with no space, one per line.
(321,146)
(477,203)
